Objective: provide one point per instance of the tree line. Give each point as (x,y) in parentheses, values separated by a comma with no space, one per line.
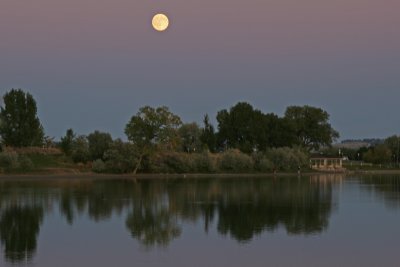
(244,135)
(382,152)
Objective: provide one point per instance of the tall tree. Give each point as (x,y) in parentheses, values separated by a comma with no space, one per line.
(379,154)
(151,129)
(190,137)
(80,149)
(207,136)
(311,126)
(393,143)
(279,132)
(242,127)
(67,141)
(98,144)
(20,125)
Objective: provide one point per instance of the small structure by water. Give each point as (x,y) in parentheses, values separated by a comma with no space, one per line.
(327,164)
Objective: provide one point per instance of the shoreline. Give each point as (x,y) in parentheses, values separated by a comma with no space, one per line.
(96,176)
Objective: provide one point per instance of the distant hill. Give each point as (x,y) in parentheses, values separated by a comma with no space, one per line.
(359,143)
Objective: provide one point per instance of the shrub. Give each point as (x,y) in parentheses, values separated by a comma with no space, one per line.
(80,150)
(204,163)
(9,161)
(235,161)
(98,166)
(378,155)
(172,162)
(98,144)
(286,159)
(120,158)
(25,163)
(265,165)
(178,162)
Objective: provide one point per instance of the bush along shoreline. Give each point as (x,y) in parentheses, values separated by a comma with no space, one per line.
(167,162)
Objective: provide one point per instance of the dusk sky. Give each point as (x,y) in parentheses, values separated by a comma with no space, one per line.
(91,64)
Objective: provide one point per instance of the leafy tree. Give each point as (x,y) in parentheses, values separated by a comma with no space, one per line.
(393,143)
(80,150)
(379,154)
(311,126)
(207,136)
(242,127)
(20,126)
(279,132)
(67,142)
(190,134)
(120,157)
(153,129)
(98,143)
(233,130)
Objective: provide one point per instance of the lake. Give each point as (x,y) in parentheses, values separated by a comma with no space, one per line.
(325,220)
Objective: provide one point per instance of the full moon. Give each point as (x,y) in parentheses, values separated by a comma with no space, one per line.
(160,22)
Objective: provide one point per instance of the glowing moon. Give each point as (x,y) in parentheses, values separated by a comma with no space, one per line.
(160,22)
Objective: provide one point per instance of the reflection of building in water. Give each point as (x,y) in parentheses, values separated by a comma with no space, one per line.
(327,178)
(327,164)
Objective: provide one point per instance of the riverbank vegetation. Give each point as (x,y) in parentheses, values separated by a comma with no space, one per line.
(244,140)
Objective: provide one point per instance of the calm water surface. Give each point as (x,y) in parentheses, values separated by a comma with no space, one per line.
(307,221)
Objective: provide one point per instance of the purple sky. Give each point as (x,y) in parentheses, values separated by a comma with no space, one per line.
(91,64)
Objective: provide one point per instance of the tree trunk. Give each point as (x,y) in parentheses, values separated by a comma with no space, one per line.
(138,164)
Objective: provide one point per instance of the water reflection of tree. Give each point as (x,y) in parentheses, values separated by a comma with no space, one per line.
(153,227)
(156,209)
(19,229)
(388,187)
(250,206)
(300,209)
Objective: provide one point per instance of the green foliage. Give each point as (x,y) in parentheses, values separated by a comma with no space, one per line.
(12,162)
(120,157)
(180,162)
(99,166)
(279,132)
(172,162)
(67,141)
(379,154)
(248,129)
(80,150)
(262,163)
(20,126)
(208,137)
(204,163)
(98,144)
(238,127)
(234,161)
(25,163)
(9,161)
(311,126)
(190,137)
(42,161)
(393,144)
(287,159)
(153,129)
